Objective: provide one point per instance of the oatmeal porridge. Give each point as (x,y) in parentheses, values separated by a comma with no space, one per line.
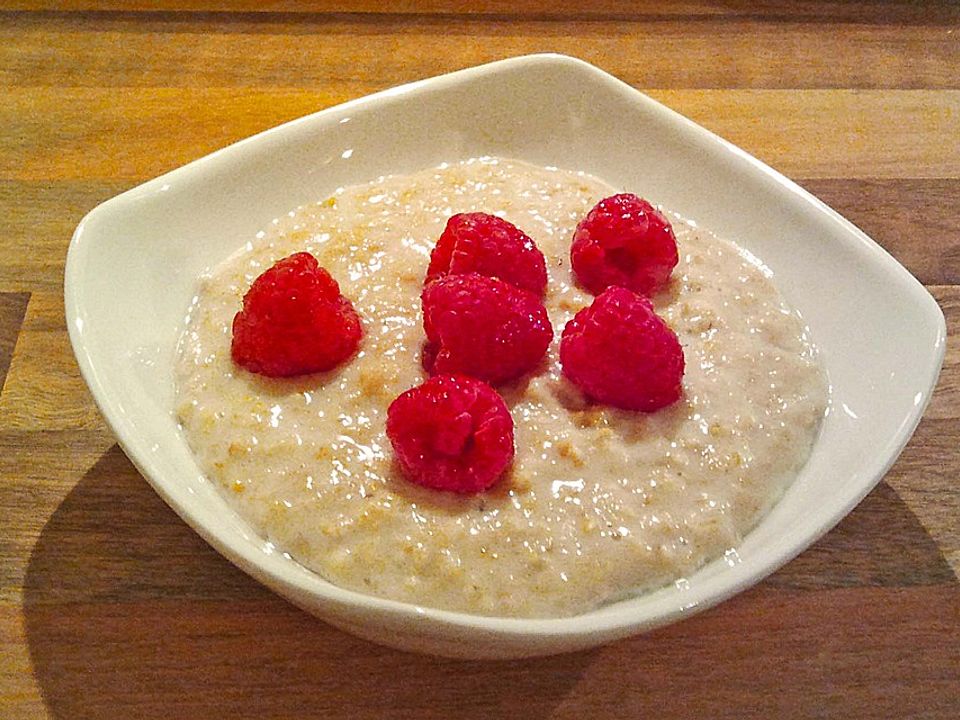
(599,503)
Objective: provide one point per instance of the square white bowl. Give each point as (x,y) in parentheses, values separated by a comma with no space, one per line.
(134,260)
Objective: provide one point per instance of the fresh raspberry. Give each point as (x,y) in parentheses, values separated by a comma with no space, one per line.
(451,433)
(294,321)
(488,245)
(483,327)
(623,241)
(619,352)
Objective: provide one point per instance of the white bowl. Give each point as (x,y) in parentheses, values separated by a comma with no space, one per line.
(133,263)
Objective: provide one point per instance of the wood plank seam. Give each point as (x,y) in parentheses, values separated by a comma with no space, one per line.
(13,309)
(409,18)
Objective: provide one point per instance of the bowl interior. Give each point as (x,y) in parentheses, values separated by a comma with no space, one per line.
(134,262)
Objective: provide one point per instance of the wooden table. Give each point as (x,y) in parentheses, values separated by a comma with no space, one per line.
(110,607)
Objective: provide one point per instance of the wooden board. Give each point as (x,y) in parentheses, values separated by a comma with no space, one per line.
(111,607)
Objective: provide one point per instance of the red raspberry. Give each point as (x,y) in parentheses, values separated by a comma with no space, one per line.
(294,321)
(488,245)
(451,433)
(623,241)
(483,327)
(619,352)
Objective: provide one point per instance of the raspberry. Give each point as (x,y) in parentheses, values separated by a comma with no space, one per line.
(488,245)
(483,327)
(619,352)
(451,433)
(294,321)
(623,241)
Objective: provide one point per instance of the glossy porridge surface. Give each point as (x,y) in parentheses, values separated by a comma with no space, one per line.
(598,504)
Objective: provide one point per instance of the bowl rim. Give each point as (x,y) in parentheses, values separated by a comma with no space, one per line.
(612,624)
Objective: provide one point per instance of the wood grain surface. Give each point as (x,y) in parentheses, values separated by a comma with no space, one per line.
(110,607)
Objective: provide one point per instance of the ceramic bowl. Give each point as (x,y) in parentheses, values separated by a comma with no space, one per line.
(133,264)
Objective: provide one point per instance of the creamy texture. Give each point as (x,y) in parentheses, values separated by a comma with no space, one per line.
(599,503)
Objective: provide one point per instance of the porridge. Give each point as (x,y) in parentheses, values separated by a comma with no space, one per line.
(598,504)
